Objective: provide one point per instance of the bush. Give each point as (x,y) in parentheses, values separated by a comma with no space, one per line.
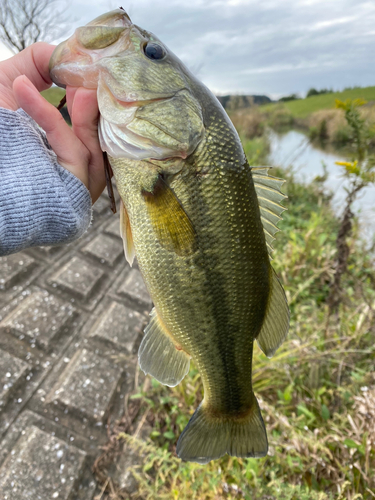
(319,132)
(280,118)
(313,92)
(249,122)
(287,98)
(313,133)
(341,136)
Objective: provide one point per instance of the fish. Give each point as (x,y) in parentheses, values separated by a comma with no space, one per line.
(198,218)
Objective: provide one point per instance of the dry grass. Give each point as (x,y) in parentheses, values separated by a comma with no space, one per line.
(329,125)
(334,119)
(249,122)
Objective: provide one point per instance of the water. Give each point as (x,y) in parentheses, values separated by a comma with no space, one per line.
(293,149)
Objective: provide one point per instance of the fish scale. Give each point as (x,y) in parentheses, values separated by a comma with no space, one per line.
(199,220)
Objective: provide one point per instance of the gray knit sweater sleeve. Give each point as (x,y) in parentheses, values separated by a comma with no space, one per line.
(41,203)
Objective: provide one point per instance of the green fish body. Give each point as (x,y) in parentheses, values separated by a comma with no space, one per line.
(200,222)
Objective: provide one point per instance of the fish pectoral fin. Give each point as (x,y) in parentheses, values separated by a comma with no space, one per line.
(159,356)
(172,226)
(276,321)
(208,437)
(126,234)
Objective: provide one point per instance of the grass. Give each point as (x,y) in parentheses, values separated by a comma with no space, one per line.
(53,95)
(301,108)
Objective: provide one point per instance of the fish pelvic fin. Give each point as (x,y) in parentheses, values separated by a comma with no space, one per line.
(208,437)
(126,234)
(276,321)
(159,356)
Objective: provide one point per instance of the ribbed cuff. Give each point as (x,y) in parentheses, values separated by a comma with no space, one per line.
(41,203)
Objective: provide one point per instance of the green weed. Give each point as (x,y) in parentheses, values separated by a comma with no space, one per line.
(53,95)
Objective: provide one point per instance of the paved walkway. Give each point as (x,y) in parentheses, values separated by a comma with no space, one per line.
(70,323)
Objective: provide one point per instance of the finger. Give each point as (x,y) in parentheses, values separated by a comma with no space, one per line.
(71,153)
(41,55)
(70,93)
(85,119)
(32,62)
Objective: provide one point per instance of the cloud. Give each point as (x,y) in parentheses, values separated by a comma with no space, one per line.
(333,22)
(5,53)
(271,47)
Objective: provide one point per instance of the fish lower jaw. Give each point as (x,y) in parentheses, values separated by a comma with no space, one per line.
(119,142)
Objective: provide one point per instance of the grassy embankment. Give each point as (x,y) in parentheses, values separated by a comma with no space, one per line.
(301,108)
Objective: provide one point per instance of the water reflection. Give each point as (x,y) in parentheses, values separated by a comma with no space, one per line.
(293,148)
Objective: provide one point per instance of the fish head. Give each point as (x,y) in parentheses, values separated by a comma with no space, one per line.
(147,106)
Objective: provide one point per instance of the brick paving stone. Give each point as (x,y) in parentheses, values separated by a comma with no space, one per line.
(13,268)
(40,318)
(41,467)
(127,460)
(101,205)
(87,385)
(77,277)
(119,326)
(59,380)
(113,228)
(105,249)
(134,288)
(50,251)
(12,373)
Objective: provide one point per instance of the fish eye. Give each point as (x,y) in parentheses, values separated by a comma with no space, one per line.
(154,51)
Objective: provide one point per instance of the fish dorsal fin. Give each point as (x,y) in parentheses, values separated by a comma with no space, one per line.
(171,224)
(269,196)
(126,234)
(276,321)
(159,356)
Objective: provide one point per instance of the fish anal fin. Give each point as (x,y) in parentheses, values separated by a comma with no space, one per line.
(126,234)
(276,322)
(159,356)
(172,226)
(208,437)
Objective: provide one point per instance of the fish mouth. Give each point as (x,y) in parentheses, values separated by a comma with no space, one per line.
(76,61)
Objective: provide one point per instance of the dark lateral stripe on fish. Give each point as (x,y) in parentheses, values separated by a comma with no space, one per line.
(225,337)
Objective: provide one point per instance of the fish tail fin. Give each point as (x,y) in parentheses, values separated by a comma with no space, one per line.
(208,437)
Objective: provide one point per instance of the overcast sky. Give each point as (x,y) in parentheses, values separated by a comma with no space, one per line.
(273,47)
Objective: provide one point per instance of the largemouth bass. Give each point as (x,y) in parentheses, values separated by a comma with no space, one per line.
(199,220)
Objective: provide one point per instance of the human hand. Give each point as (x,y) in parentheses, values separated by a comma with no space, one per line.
(22,78)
